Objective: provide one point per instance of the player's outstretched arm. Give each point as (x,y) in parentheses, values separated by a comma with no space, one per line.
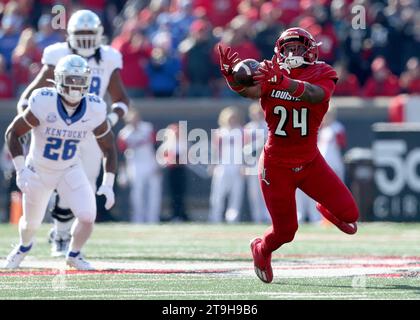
(253,92)
(22,124)
(47,72)
(227,63)
(303,90)
(106,142)
(119,97)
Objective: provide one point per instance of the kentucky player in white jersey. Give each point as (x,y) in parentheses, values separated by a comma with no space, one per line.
(61,119)
(85,33)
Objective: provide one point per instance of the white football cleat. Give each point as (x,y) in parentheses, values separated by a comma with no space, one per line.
(78,262)
(15,257)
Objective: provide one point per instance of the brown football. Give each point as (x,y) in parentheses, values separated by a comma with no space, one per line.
(244,71)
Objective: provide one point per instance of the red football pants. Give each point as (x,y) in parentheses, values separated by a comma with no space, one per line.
(317,180)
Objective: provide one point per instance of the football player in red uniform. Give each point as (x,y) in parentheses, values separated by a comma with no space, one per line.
(294,90)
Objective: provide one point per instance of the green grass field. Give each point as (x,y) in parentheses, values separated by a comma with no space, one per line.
(198,261)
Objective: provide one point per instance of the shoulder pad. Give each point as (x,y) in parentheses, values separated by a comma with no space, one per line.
(55,52)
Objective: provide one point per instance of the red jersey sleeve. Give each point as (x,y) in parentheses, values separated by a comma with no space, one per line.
(267,86)
(322,75)
(328,85)
(327,80)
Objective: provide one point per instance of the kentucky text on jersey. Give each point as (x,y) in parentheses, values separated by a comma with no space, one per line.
(97,71)
(284,95)
(63,133)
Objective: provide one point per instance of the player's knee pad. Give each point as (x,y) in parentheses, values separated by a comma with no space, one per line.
(62,215)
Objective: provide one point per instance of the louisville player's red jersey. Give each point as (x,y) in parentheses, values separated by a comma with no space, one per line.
(293,124)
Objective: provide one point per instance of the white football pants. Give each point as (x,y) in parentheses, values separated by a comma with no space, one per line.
(91,158)
(72,186)
(146,197)
(227,182)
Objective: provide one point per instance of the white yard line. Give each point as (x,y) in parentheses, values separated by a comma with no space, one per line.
(287,268)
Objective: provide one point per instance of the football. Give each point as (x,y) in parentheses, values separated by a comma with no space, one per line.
(244,71)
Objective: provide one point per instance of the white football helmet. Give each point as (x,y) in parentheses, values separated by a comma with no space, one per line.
(72,78)
(80,22)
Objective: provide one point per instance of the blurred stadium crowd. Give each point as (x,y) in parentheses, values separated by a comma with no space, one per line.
(169,50)
(168,45)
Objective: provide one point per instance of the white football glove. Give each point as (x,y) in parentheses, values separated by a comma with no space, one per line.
(24,178)
(109,195)
(106,189)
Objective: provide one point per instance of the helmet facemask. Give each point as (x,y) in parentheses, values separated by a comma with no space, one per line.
(85,42)
(72,77)
(72,87)
(293,54)
(85,32)
(294,50)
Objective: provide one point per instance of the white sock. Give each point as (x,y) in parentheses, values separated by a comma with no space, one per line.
(80,232)
(26,235)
